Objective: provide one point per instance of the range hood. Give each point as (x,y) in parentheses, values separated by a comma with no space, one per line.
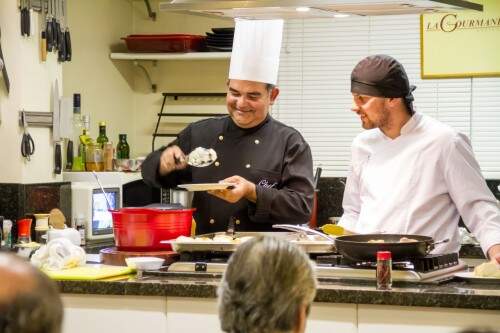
(266,9)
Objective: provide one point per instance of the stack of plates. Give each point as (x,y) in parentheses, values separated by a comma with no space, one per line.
(220,39)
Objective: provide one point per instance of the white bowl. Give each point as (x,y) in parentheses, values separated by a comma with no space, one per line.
(145,263)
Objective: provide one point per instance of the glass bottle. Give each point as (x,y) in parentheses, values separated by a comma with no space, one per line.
(122,149)
(102,138)
(108,156)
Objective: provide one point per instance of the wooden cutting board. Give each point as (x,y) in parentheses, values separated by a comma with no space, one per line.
(89,272)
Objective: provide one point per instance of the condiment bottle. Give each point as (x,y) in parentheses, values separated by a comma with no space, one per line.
(384,270)
(108,156)
(102,138)
(122,149)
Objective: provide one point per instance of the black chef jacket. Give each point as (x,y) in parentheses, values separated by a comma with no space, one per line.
(272,155)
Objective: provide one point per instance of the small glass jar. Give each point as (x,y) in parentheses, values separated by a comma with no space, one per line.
(384,270)
(94,158)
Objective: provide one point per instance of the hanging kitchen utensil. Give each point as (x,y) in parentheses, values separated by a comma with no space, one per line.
(25,18)
(3,68)
(27,143)
(402,246)
(43,34)
(61,55)
(67,36)
(56,130)
(49,34)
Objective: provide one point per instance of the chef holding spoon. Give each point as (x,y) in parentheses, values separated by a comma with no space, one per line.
(268,163)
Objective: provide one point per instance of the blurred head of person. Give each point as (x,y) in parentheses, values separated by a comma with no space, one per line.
(268,286)
(29,300)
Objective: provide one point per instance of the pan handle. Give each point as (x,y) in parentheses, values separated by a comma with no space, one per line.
(431,244)
(446,240)
(298,228)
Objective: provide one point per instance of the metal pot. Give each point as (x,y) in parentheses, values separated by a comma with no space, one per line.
(358,247)
(181,196)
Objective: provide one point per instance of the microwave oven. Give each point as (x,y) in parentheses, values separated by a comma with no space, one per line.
(90,207)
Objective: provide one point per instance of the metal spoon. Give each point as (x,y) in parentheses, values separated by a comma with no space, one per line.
(199,157)
(102,189)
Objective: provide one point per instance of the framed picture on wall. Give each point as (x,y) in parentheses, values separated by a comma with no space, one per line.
(461,44)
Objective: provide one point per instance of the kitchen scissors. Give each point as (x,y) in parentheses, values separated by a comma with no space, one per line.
(27,143)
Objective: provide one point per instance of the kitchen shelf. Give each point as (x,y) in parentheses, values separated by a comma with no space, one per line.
(171,56)
(154,57)
(176,96)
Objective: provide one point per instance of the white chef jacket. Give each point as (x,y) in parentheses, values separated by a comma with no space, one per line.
(419,183)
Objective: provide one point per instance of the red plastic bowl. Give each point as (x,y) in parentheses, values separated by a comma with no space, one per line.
(165,43)
(142,229)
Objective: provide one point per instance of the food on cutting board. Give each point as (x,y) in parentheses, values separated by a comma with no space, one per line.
(488,269)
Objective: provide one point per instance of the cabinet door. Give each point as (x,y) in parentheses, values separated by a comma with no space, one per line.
(124,314)
(186,314)
(397,319)
(332,317)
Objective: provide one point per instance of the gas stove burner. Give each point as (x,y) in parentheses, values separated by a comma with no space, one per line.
(428,263)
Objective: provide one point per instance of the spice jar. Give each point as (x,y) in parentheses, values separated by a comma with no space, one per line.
(94,158)
(384,270)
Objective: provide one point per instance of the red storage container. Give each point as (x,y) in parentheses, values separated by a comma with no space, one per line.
(165,43)
(142,229)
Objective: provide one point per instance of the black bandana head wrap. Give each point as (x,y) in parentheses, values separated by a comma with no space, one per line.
(382,76)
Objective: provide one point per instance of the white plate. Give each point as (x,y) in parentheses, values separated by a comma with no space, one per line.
(469,276)
(144,263)
(206,186)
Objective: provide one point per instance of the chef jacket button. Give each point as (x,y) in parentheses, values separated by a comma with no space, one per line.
(237,221)
(212,221)
(248,166)
(221,137)
(257,141)
(217,163)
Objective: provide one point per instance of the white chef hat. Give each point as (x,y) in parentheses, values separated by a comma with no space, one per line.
(256,50)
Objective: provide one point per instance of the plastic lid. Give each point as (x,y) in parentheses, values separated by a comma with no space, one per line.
(383,255)
(76,100)
(102,123)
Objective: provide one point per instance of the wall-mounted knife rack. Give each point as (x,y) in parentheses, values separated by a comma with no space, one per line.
(36,119)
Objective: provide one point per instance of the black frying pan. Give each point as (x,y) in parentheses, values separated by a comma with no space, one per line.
(357,247)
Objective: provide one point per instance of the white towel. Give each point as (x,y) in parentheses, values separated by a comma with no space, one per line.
(58,254)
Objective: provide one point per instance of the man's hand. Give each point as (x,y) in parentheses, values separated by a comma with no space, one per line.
(172,159)
(494,253)
(242,189)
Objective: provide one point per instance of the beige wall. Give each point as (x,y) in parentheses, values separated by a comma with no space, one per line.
(175,76)
(116,91)
(31,88)
(106,87)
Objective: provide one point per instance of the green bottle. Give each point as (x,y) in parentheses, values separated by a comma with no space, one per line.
(102,138)
(122,149)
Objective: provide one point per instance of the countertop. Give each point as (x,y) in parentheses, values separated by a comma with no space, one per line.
(454,294)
